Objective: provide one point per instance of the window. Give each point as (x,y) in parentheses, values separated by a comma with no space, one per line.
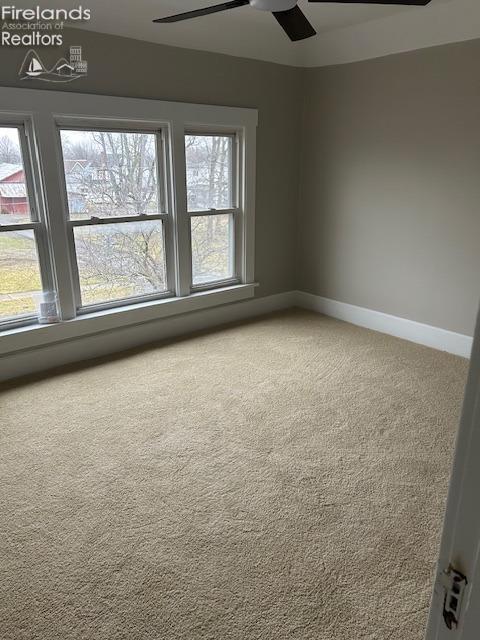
(20,229)
(212,248)
(122,207)
(209,172)
(115,195)
(212,205)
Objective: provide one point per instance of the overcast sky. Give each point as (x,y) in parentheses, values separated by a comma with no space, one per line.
(10,132)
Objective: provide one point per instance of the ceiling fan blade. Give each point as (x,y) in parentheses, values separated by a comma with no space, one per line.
(404,3)
(203,12)
(295,24)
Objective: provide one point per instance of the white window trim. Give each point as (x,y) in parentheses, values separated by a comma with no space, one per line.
(45,110)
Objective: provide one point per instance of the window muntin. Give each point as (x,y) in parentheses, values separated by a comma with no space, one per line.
(21,232)
(212,248)
(115,193)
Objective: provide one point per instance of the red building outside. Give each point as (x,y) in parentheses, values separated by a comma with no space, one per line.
(13,192)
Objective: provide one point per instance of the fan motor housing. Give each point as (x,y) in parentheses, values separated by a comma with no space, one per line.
(273,5)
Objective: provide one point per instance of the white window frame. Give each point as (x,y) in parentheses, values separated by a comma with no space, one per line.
(237,208)
(164,215)
(23,124)
(46,111)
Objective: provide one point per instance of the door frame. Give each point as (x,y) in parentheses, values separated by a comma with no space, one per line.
(460,544)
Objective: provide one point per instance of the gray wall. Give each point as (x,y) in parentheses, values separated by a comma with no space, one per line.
(125,67)
(389,214)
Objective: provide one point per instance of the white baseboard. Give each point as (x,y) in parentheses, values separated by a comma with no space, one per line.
(441,339)
(86,347)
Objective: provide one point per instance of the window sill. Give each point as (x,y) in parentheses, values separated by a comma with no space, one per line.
(37,335)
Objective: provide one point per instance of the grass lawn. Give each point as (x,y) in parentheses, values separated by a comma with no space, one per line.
(18,274)
(16,307)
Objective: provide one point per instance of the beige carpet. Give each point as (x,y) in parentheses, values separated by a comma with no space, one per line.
(282,479)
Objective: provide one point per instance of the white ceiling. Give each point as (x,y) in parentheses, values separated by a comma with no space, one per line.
(345,32)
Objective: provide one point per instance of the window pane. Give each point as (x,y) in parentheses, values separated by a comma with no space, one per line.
(14,205)
(19,273)
(110,173)
(117,261)
(209,172)
(212,248)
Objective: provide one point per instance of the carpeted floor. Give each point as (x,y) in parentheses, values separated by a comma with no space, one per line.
(281,479)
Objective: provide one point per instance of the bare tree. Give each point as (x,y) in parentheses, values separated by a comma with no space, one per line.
(120,262)
(208,171)
(9,151)
(117,175)
(119,172)
(79,150)
(209,186)
(128,166)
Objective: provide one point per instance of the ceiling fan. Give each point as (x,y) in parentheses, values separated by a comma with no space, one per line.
(290,17)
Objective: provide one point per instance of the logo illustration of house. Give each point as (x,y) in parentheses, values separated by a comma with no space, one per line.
(63,68)
(62,71)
